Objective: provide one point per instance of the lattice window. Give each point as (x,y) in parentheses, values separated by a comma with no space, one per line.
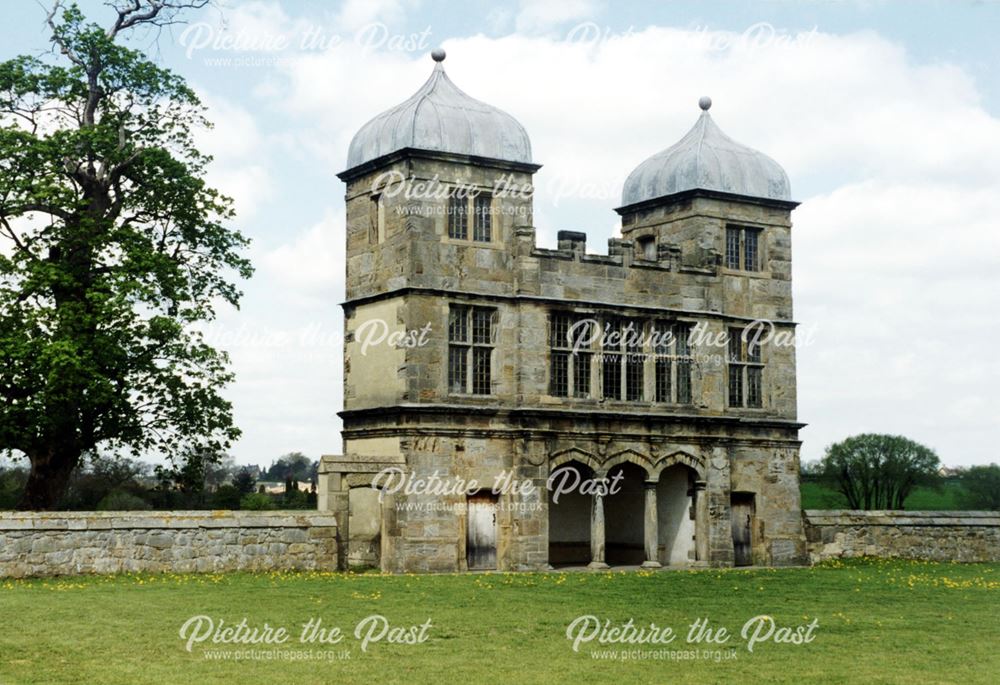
(746,371)
(743,248)
(672,375)
(732,247)
(482,227)
(471,339)
(458,216)
(570,358)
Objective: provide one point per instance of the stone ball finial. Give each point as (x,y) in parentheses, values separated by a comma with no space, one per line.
(705,102)
(438,54)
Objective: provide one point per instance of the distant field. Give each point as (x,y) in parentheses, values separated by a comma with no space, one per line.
(948,498)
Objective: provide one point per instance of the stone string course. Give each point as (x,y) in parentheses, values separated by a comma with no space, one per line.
(932,535)
(63,543)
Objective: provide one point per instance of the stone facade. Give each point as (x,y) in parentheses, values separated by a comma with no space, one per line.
(691,450)
(930,535)
(403,269)
(65,543)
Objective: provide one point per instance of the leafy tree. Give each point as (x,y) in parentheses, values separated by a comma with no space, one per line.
(879,471)
(982,487)
(112,250)
(294,465)
(188,478)
(100,475)
(245,480)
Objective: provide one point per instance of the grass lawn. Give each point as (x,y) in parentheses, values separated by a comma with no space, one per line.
(877,621)
(947,498)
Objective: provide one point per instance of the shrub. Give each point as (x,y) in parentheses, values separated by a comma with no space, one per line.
(257,501)
(119,500)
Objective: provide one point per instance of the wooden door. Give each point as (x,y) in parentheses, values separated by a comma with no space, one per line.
(742,512)
(481,538)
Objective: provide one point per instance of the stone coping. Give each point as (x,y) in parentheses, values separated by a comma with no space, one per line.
(106,520)
(853,517)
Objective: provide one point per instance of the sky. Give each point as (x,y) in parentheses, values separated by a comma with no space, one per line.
(886,116)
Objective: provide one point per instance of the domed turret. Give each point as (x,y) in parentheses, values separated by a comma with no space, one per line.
(440,117)
(707,159)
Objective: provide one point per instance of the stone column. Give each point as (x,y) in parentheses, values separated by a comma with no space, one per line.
(597,526)
(701,521)
(651,528)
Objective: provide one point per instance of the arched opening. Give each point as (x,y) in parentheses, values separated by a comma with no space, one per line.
(569,515)
(623,515)
(676,515)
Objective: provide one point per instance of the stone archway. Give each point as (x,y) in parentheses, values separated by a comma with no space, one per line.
(570,516)
(624,515)
(675,500)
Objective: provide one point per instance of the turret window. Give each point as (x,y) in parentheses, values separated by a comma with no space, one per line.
(461,205)
(483,218)
(458,217)
(743,248)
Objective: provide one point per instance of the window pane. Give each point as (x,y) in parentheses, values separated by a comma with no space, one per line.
(457,368)
(735,345)
(753,348)
(611,365)
(481,375)
(482,326)
(663,380)
(735,385)
(754,394)
(612,335)
(582,333)
(634,372)
(732,248)
(558,329)
(483,220)
(682,332)
(684,381)
(458,324)
(458,219)
(750,257)
(581,374)
(559,375)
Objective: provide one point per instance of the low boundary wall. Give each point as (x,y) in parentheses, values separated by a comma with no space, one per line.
(930,535)
(63,543)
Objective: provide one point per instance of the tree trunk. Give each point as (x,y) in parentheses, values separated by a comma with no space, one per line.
(48,479)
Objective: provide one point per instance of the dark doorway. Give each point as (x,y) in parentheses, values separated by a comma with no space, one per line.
(624,516)
(742,512)
(569,515)
(481,537)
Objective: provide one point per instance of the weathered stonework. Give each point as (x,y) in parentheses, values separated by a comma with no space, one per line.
(66,543)
(930,535)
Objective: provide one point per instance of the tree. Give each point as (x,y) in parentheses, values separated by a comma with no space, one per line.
(879,471)
(245,480)
(294,465)
(112,251)
(982,487)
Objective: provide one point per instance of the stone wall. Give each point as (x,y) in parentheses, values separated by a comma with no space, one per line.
(61,543)
(932,535)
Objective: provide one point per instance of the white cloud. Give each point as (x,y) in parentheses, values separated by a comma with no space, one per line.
(312,263)
(239,150)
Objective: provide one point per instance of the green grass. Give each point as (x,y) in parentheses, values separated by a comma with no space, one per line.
(878,621)
(947,498)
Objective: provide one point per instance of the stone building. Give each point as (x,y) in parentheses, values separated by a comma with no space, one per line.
(645,374)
